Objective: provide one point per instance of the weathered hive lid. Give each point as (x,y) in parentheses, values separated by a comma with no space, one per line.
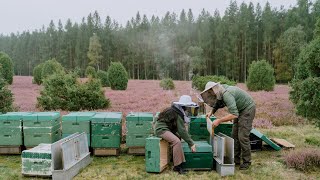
(201,147)
(110,117)
(78,116)
(265,139)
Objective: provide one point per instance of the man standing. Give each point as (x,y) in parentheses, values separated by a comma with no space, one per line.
(241,109)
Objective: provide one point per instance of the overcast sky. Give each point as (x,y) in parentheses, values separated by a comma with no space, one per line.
(20,15)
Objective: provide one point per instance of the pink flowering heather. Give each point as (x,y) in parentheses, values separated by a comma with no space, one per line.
(303,159)
(273,108)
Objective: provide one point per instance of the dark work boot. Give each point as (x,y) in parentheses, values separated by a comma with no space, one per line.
(179,169)
(245,166)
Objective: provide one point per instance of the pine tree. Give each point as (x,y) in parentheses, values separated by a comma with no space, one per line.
(95,51)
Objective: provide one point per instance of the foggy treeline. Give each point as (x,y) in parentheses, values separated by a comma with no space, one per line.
(175,45)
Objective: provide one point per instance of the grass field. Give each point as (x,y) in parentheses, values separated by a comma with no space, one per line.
(275,118)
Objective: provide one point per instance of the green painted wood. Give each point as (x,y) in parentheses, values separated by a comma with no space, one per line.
(12,119)
(136,140)
(265,139)
(78,116)
(200,138)
(201,146)
(41,119)
(139,127)
(72,126)
(156,154)
(34,139)
(42,151)
(108,123)
(10,129)
(139,116)
(198,161)
(105,141)
(36,129)
(106,128)
(88,138)
(107,117)
(10,139)
(198,126)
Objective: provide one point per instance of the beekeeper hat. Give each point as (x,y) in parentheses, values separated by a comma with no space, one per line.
(209,85)
(185,100)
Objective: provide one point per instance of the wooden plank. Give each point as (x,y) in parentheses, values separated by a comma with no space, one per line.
(283,142)
(106,152)
(164,158)
(136,150)
(10,149)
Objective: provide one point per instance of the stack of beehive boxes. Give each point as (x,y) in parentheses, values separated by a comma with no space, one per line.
(11,136)
(198,128)
(77,122)
(41,127)
(37,161)
(139,127)
(106,131)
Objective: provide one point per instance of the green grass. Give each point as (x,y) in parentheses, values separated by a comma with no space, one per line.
(267,164)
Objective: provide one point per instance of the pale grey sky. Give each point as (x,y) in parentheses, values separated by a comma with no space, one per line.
(20,15)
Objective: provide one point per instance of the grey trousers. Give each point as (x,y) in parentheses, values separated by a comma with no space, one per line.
(240,133)
(175,143)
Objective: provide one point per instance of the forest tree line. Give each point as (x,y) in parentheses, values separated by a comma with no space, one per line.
(175,45)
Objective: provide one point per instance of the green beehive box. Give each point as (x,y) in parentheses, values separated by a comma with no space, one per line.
(105,141)
(265,139)
(156,156)
(11,138)
(88,137)
(37,130)
(12,119)
(77,122)
(198,127)
(37,161)
(136,140)
(200,138)
(34,139)
(41,119)
(106,123)
(200,160)
(139,123)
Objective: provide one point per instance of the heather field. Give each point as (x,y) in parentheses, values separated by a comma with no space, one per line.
(275,118)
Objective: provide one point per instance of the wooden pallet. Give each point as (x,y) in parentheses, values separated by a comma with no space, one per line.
(11,149)
(106,151)
(136,150)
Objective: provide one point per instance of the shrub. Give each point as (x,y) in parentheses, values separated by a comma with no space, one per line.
(6,67)
(167,84)
(63,91)
(91,72)
(199,82)
(117,76)
(6,98)
(103,76)
(313,141)
(261,76)
(37,74)
(51,67)
(303,159)
(305,85)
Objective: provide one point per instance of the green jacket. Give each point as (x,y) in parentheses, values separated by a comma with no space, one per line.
(237,99)
(179,128)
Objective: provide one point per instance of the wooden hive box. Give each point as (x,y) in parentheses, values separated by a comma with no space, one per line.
(157,151)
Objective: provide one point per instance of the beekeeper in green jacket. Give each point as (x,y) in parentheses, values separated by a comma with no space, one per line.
(170,126)
(241,109)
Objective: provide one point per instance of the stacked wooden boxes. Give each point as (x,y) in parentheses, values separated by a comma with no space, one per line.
(41,127)
(157,154)
(139,127)
(77,122)
(202,159)
(106,131)
(11,132)
(198,128)
(37,161)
